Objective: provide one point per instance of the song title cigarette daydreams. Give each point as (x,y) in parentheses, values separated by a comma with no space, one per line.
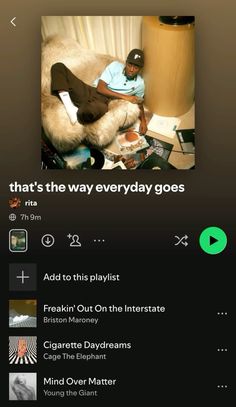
(124,189)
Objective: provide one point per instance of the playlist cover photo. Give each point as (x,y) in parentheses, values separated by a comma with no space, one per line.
(117,92)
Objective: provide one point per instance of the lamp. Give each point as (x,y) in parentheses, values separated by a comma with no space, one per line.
(168,44)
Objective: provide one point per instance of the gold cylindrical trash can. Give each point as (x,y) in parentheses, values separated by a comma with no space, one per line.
(169,66)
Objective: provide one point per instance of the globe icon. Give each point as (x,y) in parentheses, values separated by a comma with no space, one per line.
(12,217)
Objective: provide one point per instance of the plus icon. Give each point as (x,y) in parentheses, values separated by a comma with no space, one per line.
(22,277)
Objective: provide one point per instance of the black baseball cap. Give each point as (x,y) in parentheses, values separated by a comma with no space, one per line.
(136,57)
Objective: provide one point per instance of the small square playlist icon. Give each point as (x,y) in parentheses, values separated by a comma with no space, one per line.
(22,276)
(18,240)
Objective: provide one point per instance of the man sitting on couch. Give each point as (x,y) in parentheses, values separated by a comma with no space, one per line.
(87,103)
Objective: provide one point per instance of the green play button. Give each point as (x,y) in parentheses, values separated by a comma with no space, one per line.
(213,240)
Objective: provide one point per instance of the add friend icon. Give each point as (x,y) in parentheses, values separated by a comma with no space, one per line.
(74,240)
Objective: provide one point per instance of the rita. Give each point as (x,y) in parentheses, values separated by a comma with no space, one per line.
(31,203)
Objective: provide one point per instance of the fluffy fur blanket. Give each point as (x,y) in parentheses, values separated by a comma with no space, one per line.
(87,65)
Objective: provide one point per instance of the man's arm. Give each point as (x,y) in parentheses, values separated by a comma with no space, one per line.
(104,90)
(143,123)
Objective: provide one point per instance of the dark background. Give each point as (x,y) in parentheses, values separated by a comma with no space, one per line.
(174,354)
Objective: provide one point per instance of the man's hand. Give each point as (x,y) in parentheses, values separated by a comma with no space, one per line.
(143,127)
(132,99)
